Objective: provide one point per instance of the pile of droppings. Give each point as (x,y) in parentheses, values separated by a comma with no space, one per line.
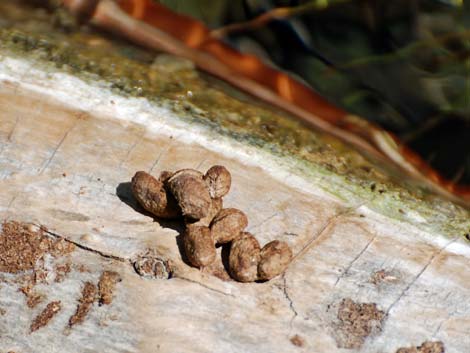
(426,347)
(196,198)
(356,322)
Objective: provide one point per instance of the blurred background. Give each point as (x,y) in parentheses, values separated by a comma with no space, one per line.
(403,64)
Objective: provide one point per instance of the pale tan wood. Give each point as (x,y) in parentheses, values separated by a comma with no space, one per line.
(66,154)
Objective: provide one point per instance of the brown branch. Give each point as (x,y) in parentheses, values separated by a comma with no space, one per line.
(274,14)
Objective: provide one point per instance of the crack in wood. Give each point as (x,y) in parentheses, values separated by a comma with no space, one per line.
(11,202)
(267,219)
(129,151)
(200,163)
(407,288)
(331,221)
(10,135)
(290,301)
(128,261)
(162,153)
(84,247)
(354,260)
(49,160)
(438,329)
(203,285)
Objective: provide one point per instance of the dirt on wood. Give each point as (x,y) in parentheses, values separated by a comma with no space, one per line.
(21,247)
(33,298)
(85,302)
(46,315)
(356,322)
(297,341)
(106,286)
(150,265)
(61,271)
(383,276)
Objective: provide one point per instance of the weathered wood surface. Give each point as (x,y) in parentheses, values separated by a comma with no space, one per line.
(67,150)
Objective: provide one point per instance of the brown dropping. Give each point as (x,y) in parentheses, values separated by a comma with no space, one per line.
(46,315)
(244,258)
(199,245)
(150,265)
(165,175)
(191,192)
(218,179)
(426,347)
(106,286)
(297,341)
(214,209)
(85,303)
(151,195)
(275,257)
(228,225)
(217,269)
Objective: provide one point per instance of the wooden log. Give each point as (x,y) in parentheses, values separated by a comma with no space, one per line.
(372,272)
